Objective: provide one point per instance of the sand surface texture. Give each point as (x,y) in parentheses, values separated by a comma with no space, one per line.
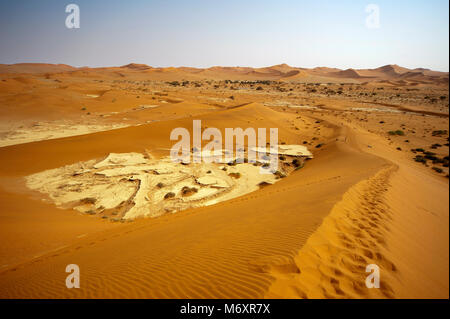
(86,179)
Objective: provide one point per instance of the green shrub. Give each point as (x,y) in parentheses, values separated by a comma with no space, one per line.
(439,132)
(437,169)
(397,132)
(420,159)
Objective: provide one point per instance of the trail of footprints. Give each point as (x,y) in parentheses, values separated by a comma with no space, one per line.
(350,238)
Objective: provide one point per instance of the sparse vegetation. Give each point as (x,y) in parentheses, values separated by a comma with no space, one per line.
(235,175)
(169,195)
(439,132)
(397,132)
(187,191)
(437,169)
(264,184)
(89,200)
(420,159)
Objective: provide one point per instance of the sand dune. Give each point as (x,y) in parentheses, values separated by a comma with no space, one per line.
(272,73)
(35,68)
(373,191)
(245,264)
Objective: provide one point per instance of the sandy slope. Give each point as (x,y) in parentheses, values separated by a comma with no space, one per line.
(189,247)
(375,222)
(359,201)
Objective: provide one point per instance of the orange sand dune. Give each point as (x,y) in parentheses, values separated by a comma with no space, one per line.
(375,223)
(362,199)
(273,73)
(34,68)
(210,252)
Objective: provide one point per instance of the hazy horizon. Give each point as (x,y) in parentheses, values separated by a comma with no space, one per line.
(411,34)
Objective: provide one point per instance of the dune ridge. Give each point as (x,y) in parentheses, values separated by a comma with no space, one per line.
(367,195)
(332,263)
(237,268)
(281,72)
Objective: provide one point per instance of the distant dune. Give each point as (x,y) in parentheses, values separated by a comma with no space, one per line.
(84,157)
(281,72)
(35,68)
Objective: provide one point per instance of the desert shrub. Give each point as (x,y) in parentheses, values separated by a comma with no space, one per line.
(259,88)
(431,157)
(437,169)
(296,162)
(420,159)
(438,160)
(233,163)
(160,185)
(89,200)
(235,175)
(439,132)
(429,153)
(187,191)
(169,195)
(397,132)
(264,184)
(279,174)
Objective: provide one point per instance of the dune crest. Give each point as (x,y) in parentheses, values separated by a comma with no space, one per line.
(332,263)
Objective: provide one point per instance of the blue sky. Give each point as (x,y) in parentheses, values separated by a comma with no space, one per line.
(204,33)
